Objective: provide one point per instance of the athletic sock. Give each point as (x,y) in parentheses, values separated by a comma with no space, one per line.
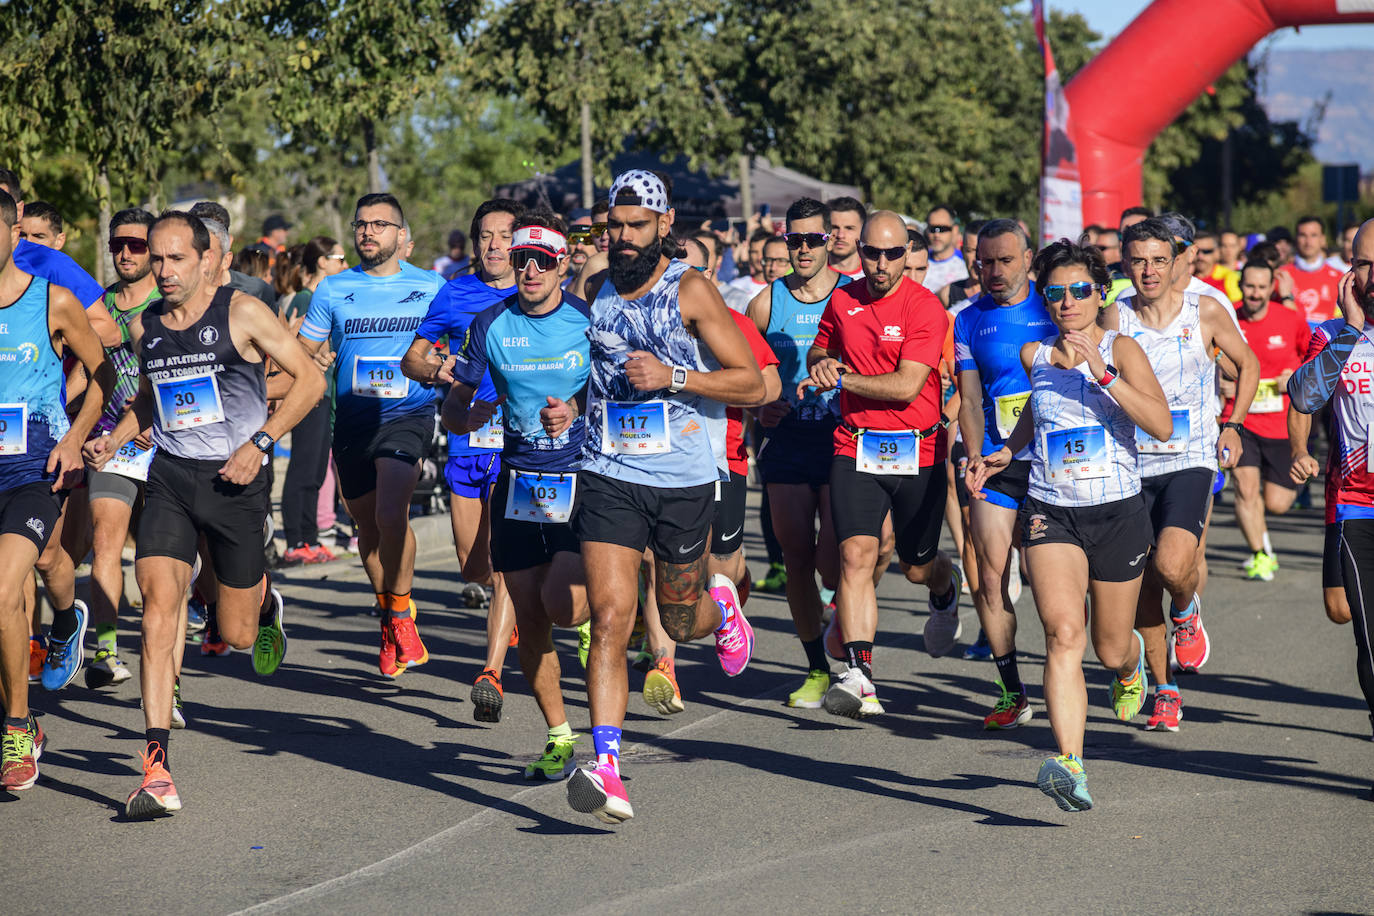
(860,655)
(63,624)
(560,731)
(726,614)
(395,605)
(267,611)
(606,740)
(212,623)
(945,601)
(815,654)
(1167,688)
(1008,672)
(1178,616)
(157,740)
(1267,544)
(20,722)
(105,636)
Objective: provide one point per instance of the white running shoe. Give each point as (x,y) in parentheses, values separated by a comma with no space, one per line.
(853,695)
(943,627)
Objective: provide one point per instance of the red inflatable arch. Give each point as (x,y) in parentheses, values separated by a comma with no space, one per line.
(1154,69)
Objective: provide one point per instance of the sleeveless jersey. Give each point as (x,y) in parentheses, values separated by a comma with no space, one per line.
(695,425)
(33,402)
(124,361)
(791,331)
(207,399)
(1083,451)
(1186,372)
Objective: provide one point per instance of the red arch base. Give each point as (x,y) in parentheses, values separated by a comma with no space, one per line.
(1154,69)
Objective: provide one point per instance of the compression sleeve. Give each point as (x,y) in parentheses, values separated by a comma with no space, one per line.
(1313,383)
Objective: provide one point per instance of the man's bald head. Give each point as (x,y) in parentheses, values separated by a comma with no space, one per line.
(883,246)
(884,229)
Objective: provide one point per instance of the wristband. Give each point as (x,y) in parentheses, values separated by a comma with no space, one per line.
(1109,377)
(839,382)
(1231,424)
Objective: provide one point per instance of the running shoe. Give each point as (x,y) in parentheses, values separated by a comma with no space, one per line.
(298,556)
(811,694)
(1062,779)
(734,640)
(474,595)
(1128,698)
(660,688)
(156,795)
(38,653)
(386,659)
(828,597)
(596,789)
(40,740)
(981,650)
(323,554)
(19,758)
(557,761)
(853,695)
(1189,647)
(1168,712)
(943,628)
(409,648)
(644,659)
(1012,709)
(195,619)
(834,639)
(487,697)
(775,581)
(1260,566)
(270,647)
(106,669)
(178,714)
(65,656)
(584,641)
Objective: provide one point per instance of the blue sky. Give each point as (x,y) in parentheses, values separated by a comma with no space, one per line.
(1111,16)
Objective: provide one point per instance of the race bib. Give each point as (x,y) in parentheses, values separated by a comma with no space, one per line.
(1177,443)
(1077,454)
(489,435)
(888,452)
(634,428)
(131,461)
(14,429)
(1268,397)
(379,377)
(540,497)
(1009,407)
(188,401)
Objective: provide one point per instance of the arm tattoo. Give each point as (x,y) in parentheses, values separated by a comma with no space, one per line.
(679,590)
(1313,383)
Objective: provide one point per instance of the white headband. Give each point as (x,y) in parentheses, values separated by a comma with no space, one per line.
(640,188)
(539,238)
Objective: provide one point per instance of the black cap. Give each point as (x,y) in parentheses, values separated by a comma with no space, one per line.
(273,223)
(1278,234)
(579,213)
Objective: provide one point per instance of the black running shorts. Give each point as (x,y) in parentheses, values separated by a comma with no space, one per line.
(674,522)
(408,439)
(858,502)
(1114,536)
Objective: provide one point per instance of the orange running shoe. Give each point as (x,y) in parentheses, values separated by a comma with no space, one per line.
(386,659)
(409,649)
(661,690)
(38,654)
(157,795)
(487,697)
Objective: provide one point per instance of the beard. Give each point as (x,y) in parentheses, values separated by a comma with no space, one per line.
(137,274)
(631,271)
(382,255)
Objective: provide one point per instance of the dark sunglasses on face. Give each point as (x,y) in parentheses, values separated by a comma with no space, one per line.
(579,234)
(1080,290)
(542,260)
(934,228)
(795,240)
(871,253)
(135,246)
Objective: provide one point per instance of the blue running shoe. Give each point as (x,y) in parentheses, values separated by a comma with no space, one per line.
(980,651)
(65,657)
(1062,779)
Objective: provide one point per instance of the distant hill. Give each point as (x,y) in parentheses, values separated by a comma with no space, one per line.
(1295,83)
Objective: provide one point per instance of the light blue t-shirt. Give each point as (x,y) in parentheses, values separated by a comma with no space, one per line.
(33,401)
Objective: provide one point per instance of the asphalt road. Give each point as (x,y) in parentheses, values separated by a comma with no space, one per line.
(327,789)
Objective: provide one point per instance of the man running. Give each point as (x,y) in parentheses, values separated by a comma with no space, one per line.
(383,421)
(847,217)
(1314,281)
(988,337)
(40,460)
(650,463)
(201,350)
(474,459)
(946,262)
(879,344)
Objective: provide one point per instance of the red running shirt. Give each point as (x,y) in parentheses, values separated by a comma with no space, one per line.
(735,454)
(1279,341)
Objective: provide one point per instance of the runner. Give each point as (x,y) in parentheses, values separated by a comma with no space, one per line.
(40,459)
(1314,281)
(1085,524)
(946,261)
(532,347)
(1305,467)
(1263,476)
(650,463)
(474,463)
(879,344)
(797,448)
(202,390)
(1179,332)
(847,217)
(988,337)
(383,423)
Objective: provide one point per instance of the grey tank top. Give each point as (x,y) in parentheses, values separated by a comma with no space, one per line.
(207,399)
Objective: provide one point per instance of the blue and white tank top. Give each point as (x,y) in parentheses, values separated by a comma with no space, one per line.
(1083,453)
(652,438)
(1187,374)
(33,399)
(791,331)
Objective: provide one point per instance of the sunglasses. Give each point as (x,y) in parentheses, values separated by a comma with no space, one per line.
(579,234)
(795,240)
(335,257)
(934,228)
(135,246)
(542,260)
(871,253)
(1080,290)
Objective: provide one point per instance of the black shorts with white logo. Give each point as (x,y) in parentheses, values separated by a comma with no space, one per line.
(859,500)
(1179,500)
(674,522)
(408,439)
(727,528)
(1115,536)
(31,510)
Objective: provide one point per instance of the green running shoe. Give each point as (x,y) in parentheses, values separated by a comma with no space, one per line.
(557,762)
(584,641)
(1062,779)
(811,694)
(644,659)
(270,647)
(1127,699)
(775,582)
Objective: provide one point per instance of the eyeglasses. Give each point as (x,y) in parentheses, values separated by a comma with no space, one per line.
(795,240)
(1080,290)
(1206,250)
(378,226)
(871,253)
(934,228)
(135,246)
(542,260)
(577,235)
(779,262)
(1156,263)
(701,267)
(1181,245)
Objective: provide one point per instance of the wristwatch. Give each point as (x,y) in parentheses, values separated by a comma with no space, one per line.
(1231,424)
(679,379)
(263,441)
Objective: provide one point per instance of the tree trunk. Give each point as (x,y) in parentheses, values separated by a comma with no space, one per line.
(102,229)
(746,188)
(335,218)
(587,190)
(374,163)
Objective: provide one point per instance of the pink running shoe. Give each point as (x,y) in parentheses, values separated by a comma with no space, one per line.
(735,639)
(834,638)
(1189,646)
(597,790)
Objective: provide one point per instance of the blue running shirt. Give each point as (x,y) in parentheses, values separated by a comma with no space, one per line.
(33,415)
(528,358)
(791,331)
(370,322)
(58,269)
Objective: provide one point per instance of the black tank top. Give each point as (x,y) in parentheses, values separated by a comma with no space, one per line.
(207,399)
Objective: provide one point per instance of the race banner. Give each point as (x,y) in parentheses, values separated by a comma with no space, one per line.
(1061,193)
